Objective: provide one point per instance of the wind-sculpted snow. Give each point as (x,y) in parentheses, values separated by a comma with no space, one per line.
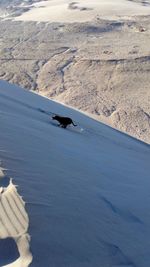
(86,192)
(14,224)
(13,218)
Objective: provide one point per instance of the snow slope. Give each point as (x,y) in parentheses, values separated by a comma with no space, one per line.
(86,188)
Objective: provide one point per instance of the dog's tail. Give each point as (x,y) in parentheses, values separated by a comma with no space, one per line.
(74,124)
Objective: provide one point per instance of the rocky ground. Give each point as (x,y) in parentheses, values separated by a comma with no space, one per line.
(101,67)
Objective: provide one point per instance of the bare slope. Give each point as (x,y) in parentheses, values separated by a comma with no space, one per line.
(87,192)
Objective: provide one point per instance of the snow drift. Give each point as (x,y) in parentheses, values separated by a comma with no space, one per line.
(86,188)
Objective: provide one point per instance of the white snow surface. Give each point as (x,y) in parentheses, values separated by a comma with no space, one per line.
(86,188)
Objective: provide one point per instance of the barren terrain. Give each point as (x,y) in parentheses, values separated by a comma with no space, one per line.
(101,66)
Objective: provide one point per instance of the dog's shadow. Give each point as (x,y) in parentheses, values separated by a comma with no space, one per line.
(54,124)
(71,129)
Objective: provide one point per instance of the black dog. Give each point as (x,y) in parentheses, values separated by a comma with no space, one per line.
(64,121)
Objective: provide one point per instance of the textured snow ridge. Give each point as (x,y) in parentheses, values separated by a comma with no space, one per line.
(14,223)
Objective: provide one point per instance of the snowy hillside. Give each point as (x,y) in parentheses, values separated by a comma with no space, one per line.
(86,188)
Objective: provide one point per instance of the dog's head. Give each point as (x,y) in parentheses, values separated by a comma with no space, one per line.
(55,117)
